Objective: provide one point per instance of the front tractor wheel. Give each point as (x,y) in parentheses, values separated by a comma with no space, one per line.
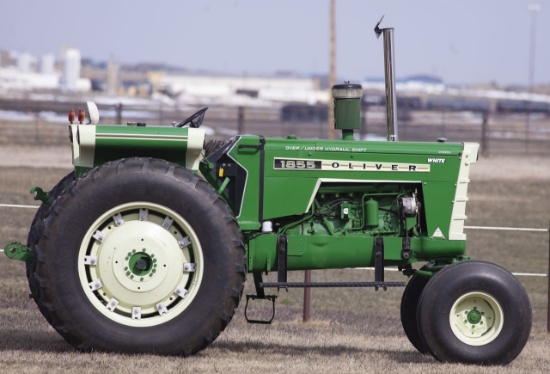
(409,308)
(139,255)
(474,312)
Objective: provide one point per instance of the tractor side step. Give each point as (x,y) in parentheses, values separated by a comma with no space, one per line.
(331,284)
(271,298)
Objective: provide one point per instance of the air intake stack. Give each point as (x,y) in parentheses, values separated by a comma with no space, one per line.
(347,108)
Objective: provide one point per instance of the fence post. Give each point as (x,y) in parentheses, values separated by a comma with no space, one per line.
(240,121)
(307,297)
(548,276)
(118,109)
(484,133)
(36,127)
(161,114)
(363,130)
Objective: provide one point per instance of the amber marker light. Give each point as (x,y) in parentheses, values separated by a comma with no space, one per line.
(71,116)
(81,116)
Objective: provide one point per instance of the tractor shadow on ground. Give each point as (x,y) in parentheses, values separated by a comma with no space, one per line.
(51,342)
(328,350)
(24,340)
(247,347)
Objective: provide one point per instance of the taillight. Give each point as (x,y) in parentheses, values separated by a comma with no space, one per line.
(81,116)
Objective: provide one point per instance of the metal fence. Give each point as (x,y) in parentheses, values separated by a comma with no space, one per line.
(498,133)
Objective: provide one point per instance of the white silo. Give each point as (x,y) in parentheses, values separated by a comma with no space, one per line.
(24,62)
(71,70)
(47,64)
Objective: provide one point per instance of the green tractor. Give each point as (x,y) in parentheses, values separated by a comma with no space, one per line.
(145,246)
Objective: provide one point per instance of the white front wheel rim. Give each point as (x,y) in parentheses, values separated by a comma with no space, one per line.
(476,318)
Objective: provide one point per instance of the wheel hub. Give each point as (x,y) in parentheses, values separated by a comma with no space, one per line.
(476,318)
(140,264)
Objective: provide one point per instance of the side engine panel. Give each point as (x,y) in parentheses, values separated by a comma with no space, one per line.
(331,199)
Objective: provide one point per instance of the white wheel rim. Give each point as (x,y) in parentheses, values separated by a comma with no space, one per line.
(476,318)
(140,264)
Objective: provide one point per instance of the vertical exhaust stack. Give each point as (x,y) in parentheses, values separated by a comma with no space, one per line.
(347,108)
(389,70)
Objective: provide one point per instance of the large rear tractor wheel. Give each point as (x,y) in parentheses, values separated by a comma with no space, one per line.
(139,255)
(474,312)
(35,232)
(409,307)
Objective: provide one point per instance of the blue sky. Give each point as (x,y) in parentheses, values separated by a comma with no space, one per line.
(464,41)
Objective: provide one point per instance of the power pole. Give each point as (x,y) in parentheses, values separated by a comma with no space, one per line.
(332,72)
(533,9)
(331,135)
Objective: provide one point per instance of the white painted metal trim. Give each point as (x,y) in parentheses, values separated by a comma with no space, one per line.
(85,140)
(458,215)
(195,143)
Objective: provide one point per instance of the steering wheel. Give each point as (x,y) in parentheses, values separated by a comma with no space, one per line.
(195,119)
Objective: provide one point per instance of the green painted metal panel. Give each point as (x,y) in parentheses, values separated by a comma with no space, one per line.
(438,206)
(286,196)
(245,153)
(262,253)
(333,252)
(115,142)
(434,248)
(293,168)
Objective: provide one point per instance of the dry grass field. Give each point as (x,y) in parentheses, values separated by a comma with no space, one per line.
(352,330)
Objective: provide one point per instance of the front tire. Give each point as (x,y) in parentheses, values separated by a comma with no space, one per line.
(140,255)
(474,312)
(409,311)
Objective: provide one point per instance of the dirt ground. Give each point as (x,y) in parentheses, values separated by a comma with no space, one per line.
(35,156)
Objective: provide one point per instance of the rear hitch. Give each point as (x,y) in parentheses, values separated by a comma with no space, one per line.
(17,251)
(40,195)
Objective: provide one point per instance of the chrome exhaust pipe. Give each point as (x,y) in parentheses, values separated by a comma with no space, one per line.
(389,72)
